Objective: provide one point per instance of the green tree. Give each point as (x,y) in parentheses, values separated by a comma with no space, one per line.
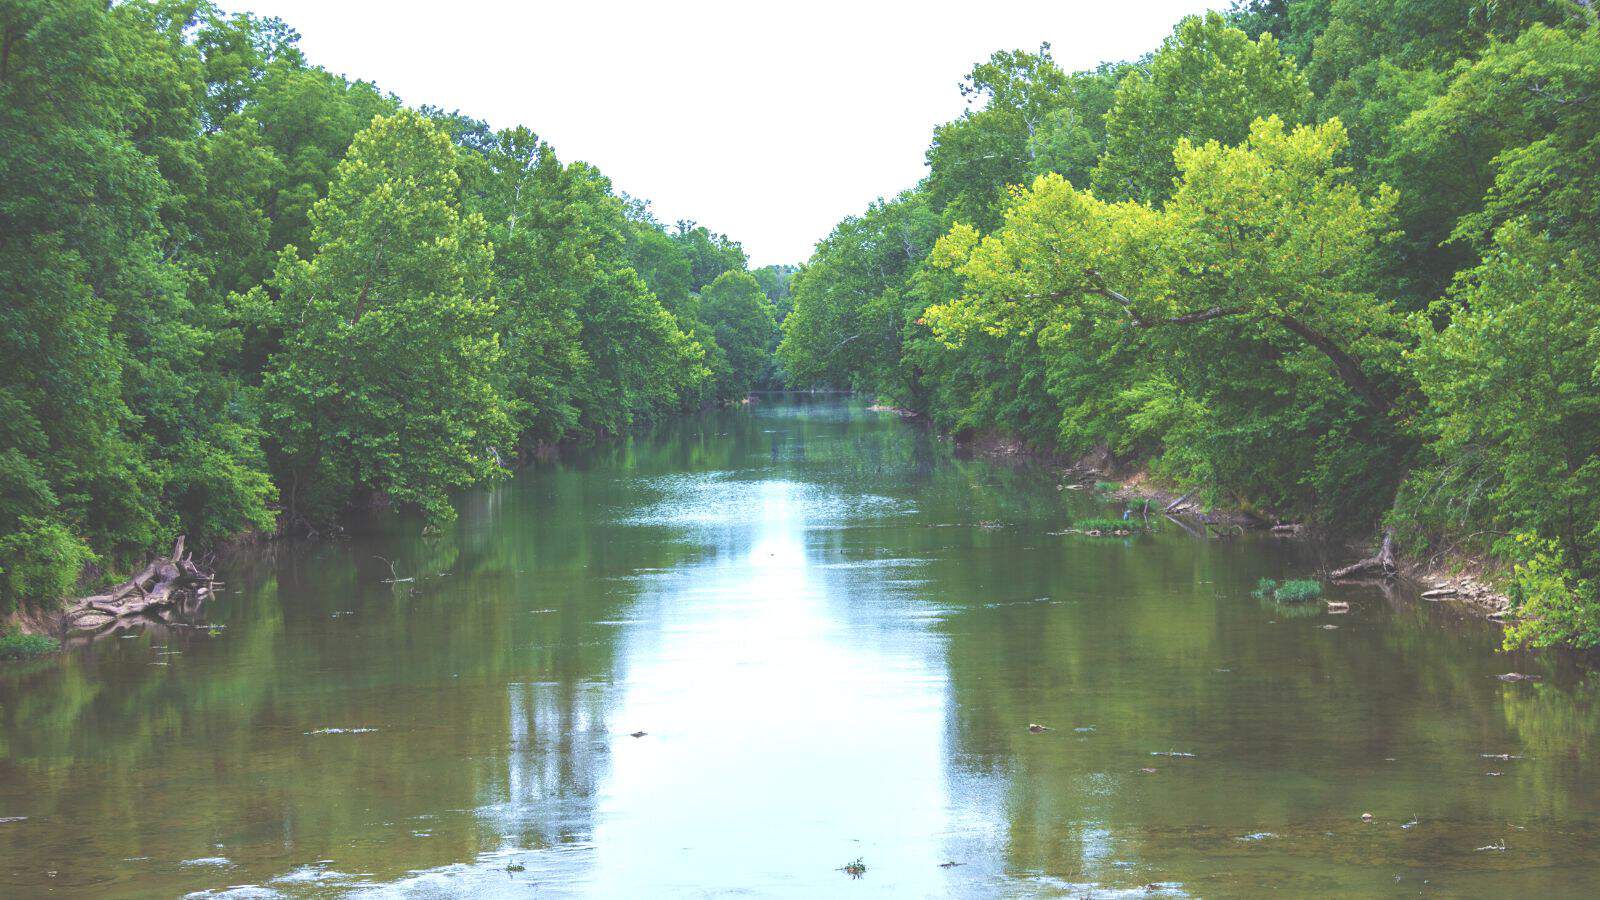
(852,306)
(740,318)
(776,281)
(1208,81)
(386,385)
(1513,391)
(1525,110)
(544,264)
(709,254)
(1245,291)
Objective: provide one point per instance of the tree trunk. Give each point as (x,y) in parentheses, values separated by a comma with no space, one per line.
(1382,564)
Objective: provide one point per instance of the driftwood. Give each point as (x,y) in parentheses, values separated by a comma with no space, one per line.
(165,585)
(1382,565)
(1181,500)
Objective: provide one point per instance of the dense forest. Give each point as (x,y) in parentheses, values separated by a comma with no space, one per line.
(1333,260)
(246,295)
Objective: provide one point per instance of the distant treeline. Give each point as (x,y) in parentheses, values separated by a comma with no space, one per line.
(242,293)
(1332,259)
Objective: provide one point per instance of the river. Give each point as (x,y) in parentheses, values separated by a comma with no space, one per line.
(833,632)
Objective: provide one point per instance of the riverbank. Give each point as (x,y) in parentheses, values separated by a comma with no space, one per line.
(1465,582)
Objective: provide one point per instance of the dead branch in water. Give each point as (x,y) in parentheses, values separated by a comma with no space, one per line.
(158,589)
(1381,565)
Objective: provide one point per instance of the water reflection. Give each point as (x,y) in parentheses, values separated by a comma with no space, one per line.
(833,635)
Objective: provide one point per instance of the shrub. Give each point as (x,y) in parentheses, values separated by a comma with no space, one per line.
(1553,606)
(39,563)
(1293,591)
(1109,525)
(1298,591)
(26,646)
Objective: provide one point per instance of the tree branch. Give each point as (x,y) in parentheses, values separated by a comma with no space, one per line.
(1348,367)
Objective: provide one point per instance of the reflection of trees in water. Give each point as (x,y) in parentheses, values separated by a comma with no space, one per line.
(1297,731)
(169,748)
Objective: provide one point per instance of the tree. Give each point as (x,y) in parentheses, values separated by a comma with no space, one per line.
(1526,111)
(709,254)
(1513,394)
(776,281)
(1246,286)
(1207,82)
(1031,115)
(544,264)
(96,329)
(852,307)
(740,318)
(1373,65)
(386,386)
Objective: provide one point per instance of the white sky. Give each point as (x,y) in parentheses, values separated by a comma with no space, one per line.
(764,120)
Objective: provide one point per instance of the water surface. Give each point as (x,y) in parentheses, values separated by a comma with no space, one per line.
(834,634)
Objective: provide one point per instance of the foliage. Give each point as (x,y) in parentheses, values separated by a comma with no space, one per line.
(776,282)
(852,308)
(739,315)
(1514,407)
(1253,267)
(1208,81)
(1107,526)
(1330,258)
(26,646)
(1295,590)
(1553,605)
(172,362)
(386,384)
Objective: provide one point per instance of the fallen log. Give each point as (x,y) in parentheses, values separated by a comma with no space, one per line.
(1381,565)
(155,591)
(1181,500)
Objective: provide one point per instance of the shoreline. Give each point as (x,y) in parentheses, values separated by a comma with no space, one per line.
(1464,582)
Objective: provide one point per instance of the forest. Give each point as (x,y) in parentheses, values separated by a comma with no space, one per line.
(1333,261)
(244,295)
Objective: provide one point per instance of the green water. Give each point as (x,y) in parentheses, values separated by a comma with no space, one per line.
(834,634)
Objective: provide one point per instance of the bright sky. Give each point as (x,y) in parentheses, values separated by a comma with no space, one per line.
(768,121)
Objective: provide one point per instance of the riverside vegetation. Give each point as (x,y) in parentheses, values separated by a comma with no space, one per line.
(1333,260)
(243,294)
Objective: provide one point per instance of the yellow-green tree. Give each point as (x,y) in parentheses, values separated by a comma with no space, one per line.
(386,382)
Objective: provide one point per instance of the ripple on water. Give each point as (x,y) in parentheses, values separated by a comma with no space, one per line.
(719,499)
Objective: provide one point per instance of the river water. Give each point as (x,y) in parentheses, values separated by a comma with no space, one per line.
(834,634)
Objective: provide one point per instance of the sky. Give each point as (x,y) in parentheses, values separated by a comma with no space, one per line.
(766,121)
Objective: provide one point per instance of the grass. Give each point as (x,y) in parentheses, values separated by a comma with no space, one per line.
(855,868)
(1106,486)
(1108,526)
(26,646)
(1297,590)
